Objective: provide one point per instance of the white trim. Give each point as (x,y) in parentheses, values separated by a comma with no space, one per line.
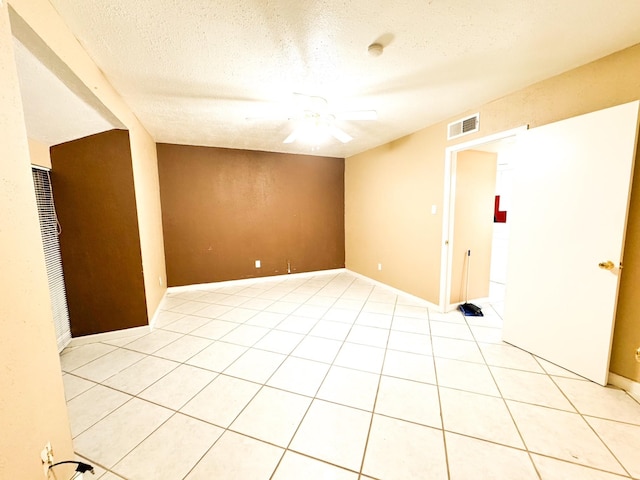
(244,281)
(100,337)
(39,167)
(628,385)
(447,206)
(397,291)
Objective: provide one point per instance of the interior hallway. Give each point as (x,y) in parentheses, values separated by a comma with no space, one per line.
(332,376)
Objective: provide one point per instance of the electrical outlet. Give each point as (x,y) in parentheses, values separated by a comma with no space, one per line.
(379,266)
(47,458)
(160,280)
(257,263)
(638,355)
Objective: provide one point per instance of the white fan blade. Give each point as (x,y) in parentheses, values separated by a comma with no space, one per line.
(292,136)
(358,115)
(341,135)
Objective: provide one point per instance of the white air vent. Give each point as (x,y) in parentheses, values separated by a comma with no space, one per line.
(464,126)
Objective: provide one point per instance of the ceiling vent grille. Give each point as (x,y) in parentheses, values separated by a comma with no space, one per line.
(463,126)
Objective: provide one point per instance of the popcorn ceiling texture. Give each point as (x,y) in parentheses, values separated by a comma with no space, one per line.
(193,71)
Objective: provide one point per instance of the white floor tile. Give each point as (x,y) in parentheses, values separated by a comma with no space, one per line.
(279,342)
(529,387)
(456,349)
(125,428)
(597,401)
(378,320)
(399,450)
(411,325)
(344,315)
(553,469)
(487,334)
(411,311)
(333,433)
(178,387)
(509,357)
(295,467)
(266,319)
(349,387)
(345,334)
(153,341)
(92,406)
(75,357)
(183,349)
(374,337)
(235,457)
(255,365)
(221,401)
(108,365)
(471,377)
(299,375)
(140,375)
(295,324)
(272,416)
(186,324)
(557,371)
(316,348)
(410,342)
(561,434)
(472,458)
(217,356)
(408,400)
(360,357)
(450,330)
(331,330)
(214,311)
(171,451)
(238,315)
(215,329)
(410,366)
(245,335)
(622,439)
(479,416)
(74,386)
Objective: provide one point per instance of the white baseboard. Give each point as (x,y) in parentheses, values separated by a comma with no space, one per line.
(625,383)
(99,337)
(245,281)
(397,291)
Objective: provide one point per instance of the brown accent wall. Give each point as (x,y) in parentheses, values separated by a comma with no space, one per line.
(92,180)
(224,209)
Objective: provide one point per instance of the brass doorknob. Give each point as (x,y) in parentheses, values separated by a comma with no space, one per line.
(608,265)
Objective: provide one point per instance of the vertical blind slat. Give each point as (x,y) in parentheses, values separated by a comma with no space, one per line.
(53,260)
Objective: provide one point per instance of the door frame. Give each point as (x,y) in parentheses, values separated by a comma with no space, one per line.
(448,207)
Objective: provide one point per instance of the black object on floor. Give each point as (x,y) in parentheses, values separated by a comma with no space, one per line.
(469,309)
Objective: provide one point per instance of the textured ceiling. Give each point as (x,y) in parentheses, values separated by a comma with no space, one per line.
(194,70)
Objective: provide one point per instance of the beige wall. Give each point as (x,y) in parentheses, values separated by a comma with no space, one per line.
(32,405)
(389,190)
(39,154)
(41,18)
(473,223)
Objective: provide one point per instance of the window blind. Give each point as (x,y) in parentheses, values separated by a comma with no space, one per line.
(49,231)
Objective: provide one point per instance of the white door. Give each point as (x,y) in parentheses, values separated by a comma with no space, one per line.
(571,190)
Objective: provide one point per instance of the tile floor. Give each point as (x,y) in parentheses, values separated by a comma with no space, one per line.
(332,377)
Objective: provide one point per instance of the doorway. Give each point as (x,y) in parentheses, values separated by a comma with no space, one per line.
(484,171)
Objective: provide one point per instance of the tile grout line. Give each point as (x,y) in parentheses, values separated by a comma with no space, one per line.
(504,401)
(288,447)
(375,400)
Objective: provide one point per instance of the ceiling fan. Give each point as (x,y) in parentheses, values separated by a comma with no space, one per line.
(315,122)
